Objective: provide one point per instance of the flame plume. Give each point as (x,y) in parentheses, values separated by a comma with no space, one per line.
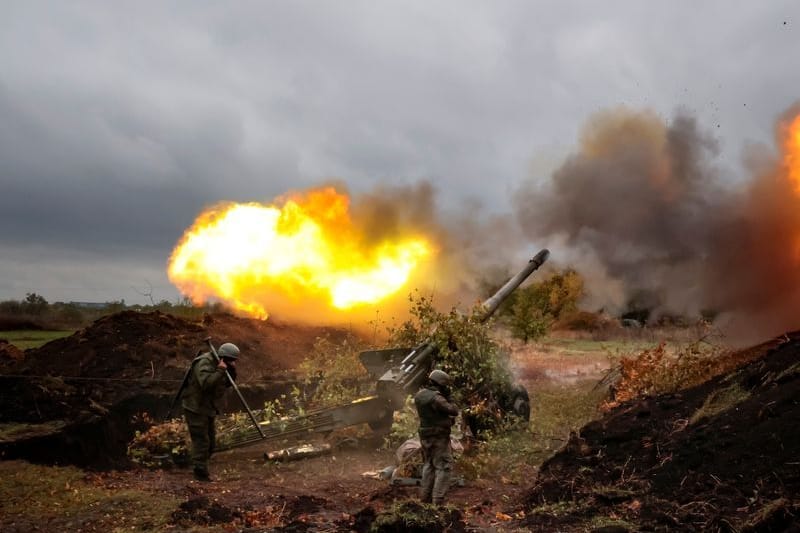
(307,248)
(792,151)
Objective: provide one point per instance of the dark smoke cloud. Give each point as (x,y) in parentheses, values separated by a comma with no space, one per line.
(643,205)
(470,244)
(392,211)
(638,195)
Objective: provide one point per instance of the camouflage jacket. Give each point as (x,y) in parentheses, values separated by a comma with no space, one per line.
(205,387)
(436,414)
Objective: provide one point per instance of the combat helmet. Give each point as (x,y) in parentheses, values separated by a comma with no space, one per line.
(441,378)
(228,351)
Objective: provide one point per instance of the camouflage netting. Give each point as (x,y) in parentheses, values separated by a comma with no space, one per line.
(483,381)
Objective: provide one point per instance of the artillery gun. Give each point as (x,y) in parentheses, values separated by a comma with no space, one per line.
(399,372)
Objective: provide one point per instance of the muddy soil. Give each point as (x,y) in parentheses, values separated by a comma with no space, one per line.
(723,456)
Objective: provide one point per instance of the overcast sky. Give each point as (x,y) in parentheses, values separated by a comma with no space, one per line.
(120,121)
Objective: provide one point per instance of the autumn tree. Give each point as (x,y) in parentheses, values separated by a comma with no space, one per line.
(541,303)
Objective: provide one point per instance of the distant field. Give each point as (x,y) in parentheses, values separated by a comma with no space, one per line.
(24,339)
(581,346)
(568,358)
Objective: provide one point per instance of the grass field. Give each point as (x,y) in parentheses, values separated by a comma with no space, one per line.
(24,339)
(581,347)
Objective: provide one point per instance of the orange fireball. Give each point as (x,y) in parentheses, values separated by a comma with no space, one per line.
(306,248)
(792,149)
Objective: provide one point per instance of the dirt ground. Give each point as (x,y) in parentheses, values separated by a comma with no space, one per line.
(327,493)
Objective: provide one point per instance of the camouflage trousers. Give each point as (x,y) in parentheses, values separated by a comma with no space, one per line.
(436,468)
(203,434)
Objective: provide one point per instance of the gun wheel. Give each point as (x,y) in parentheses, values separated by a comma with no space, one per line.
(381,425)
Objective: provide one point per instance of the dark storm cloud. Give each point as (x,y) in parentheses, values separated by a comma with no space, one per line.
(141,115)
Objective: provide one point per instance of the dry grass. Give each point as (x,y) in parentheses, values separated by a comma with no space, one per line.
(720,401)
(66,499)
(668,368)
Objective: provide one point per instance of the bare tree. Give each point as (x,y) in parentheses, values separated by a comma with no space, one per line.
(148,292)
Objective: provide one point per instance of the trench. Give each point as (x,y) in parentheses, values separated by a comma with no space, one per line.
(100,441)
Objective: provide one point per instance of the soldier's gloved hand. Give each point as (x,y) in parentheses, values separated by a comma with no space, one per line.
(232,372)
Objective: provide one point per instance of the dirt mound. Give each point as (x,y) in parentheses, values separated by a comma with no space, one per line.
(413,517)
(203,511)
(722,456)
(157,345)
(128,363)
(10,355)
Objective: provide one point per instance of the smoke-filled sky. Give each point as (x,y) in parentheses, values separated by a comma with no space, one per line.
(651,223)
(119,122)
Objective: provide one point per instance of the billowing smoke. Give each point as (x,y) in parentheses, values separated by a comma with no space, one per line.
(648,217)
(472,249)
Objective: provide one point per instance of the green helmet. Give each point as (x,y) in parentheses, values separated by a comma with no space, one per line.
(228,351)
(441,378)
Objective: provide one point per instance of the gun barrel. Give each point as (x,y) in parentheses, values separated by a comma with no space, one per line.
(491,304)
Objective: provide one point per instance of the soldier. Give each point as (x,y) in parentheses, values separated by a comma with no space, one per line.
(206,385)
(436,417)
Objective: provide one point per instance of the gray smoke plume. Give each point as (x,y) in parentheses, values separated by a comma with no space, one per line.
(644,210)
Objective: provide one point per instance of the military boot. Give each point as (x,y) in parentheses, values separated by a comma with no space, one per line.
(201,474)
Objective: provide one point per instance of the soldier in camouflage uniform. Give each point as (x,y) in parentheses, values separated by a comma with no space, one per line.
(436,417)
(206,385)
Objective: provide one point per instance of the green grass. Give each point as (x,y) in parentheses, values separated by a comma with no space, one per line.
(25,339)
(582,346)
(555,411)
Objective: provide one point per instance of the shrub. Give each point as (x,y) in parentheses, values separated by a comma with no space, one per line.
(161,444)
(528,321)
(582,321)
(333,371)
(540,304)
(479,367)
(657,370)
(466,351)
